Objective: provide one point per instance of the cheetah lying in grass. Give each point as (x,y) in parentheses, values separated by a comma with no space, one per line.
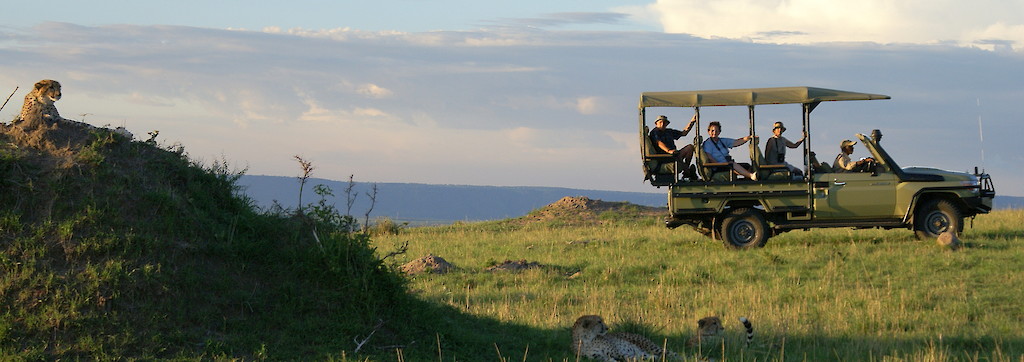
(590,339)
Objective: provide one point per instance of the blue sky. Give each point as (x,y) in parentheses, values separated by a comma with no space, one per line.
(531,93)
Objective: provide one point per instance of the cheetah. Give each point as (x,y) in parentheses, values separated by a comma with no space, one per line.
(38,109)
(709,332)
(590,339)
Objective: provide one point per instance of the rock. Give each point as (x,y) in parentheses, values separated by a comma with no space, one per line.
(949,240)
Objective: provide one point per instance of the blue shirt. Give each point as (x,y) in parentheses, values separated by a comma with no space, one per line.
(718,151)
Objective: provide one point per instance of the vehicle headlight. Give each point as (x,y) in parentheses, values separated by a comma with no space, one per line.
(972,183)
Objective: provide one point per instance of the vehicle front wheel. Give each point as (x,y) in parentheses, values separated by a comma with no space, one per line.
(936,217)
(744,229)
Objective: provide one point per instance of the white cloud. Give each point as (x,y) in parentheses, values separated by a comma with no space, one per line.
(999,36)
(139,98)
(358,115)
(374,91)
(590,105)
(814,21)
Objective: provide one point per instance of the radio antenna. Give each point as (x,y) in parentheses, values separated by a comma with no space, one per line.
(981,135)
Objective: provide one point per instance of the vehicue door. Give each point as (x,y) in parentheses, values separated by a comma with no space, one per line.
(854,195)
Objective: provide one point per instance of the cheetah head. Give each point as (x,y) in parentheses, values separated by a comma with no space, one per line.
(47,91)
(709,326)
(589,327)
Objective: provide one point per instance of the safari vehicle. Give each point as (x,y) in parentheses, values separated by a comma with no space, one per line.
(745,213)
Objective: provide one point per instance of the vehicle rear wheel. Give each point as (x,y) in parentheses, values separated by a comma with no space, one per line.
(936,217)
(744,229)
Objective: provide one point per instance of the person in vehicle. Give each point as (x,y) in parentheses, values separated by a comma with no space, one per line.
(664,140)
(775,148)
(717,149)
(843,162)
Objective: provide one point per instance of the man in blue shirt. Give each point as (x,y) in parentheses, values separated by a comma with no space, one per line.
(717,149)
(663,139)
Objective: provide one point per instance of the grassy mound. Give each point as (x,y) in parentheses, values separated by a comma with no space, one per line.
(112,248)
(581,210)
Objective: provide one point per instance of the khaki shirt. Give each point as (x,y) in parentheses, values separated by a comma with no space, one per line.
(843,163)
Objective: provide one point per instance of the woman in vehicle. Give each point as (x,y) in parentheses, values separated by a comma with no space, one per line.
(717,149)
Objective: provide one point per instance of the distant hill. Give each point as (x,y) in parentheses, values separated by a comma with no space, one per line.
(427,204)
(1008,202)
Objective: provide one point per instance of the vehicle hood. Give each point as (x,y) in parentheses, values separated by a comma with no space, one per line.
(946,175)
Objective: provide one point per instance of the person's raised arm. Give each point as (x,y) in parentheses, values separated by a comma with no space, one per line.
(790,144)
(689,125)
(740,141)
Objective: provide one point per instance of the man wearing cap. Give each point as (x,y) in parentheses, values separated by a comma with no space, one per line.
(664,139)
(843,162)
(775,148)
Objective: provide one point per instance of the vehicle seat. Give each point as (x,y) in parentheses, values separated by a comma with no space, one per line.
(714,171)
(659,167)
(765,171)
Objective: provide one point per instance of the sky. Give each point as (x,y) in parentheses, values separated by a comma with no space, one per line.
(526,93)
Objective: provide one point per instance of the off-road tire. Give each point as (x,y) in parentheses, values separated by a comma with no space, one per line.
(934,217)
(744,229)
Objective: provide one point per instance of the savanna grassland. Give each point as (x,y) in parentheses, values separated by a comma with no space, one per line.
(118,249)
(830,294)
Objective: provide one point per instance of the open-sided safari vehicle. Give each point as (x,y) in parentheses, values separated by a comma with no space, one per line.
(745,213)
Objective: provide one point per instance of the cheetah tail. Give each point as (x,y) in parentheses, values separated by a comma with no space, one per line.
(750,329)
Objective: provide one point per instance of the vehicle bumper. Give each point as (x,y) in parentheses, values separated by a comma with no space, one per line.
(978,204)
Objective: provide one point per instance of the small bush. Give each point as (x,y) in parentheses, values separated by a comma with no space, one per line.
(385,226)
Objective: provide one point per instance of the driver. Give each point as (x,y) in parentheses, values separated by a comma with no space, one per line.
(843,162)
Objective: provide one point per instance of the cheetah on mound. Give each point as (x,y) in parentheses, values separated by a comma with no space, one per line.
(38,109)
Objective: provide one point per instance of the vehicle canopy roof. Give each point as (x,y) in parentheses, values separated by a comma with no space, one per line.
(750,97)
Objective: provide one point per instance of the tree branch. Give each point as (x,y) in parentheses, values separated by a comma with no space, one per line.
(401,250)
(9,98)
(359,345)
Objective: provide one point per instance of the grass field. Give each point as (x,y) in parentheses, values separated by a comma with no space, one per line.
(831,294)
(120,250)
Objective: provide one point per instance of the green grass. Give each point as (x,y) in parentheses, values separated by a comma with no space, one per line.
(114,250)
(817,295)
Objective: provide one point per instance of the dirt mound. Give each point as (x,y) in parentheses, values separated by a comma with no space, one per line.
(427,264)
(583,210)
(76,163)
(514,265)
(56,144)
